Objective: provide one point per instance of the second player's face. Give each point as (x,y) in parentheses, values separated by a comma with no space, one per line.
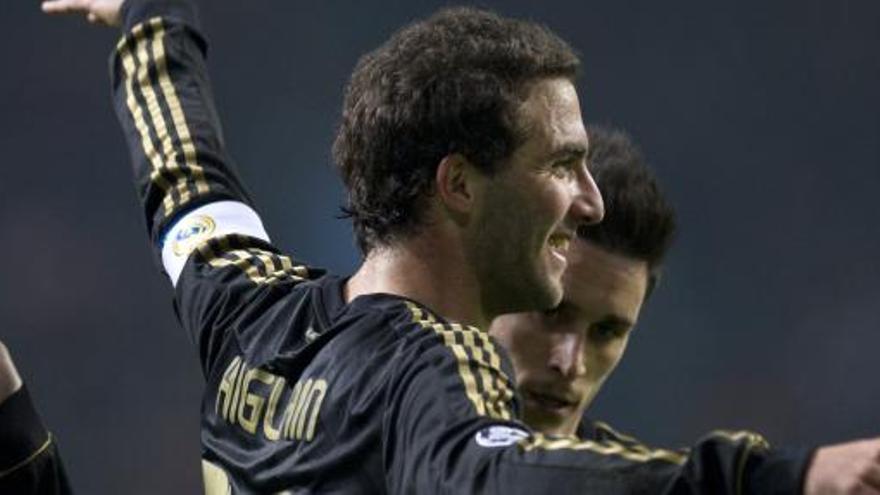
(529,210)
(562,357)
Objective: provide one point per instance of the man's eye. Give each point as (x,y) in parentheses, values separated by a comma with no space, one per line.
(605,332)
(562,170)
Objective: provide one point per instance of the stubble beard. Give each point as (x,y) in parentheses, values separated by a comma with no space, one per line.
(519,285)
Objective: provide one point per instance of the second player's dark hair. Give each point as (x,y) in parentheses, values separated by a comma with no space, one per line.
(448,84)
(639,222)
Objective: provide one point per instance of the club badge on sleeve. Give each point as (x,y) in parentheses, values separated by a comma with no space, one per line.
(194,230)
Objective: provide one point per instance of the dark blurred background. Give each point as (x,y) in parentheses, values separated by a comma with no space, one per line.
(761,118)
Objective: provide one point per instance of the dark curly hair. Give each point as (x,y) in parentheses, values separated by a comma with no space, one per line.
(639,222)
(448,84)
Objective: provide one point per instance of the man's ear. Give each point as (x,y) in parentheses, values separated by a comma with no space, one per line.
(456,182)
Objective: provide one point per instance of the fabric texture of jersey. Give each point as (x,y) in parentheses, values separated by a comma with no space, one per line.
(307,393)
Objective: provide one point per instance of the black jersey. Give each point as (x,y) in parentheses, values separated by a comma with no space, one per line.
(307,393)
(29,459)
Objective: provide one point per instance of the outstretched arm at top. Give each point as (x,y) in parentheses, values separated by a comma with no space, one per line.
(201,222)
(164,101)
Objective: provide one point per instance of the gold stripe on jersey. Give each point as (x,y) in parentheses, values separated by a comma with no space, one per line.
(489,367)
(489,395)
(155,111)
(137,115)
(137,67)
(176,109)
(502,383)
(464,371)
(539,441)
(426,320)
(261,267)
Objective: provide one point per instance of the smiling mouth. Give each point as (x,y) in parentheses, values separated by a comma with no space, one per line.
(560,242)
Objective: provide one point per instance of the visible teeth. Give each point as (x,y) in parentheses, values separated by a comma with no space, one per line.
(559,242)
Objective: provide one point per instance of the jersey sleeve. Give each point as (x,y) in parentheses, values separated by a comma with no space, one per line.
(740,462)
(29,460)
(452,429)
(201,222)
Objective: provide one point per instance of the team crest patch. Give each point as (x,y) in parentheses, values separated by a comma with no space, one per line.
(187,236)
(500,436)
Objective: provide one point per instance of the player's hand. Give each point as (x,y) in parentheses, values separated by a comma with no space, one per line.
(10,381)
(850,468)
(96,11)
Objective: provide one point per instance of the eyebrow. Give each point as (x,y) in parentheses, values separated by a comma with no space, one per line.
(569,151)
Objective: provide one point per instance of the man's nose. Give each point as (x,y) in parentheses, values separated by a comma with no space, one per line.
(587,207)
(567,357)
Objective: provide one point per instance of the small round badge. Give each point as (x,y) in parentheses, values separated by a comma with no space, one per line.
(194,230)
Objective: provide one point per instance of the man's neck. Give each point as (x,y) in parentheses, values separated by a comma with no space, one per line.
(424,270)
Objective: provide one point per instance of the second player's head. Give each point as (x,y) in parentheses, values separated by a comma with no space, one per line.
(564,355)
(471,119)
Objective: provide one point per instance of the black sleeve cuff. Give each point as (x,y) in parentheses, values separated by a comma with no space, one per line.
(22,433)
(136,11)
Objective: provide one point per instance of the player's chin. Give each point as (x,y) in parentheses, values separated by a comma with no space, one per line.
(549,294)
(552,283)
(550,423)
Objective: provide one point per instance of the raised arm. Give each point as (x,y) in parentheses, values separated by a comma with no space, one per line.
(165,105)
(201,224)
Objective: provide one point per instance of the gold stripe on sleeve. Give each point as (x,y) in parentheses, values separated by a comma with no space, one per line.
(271,262)
(473,357)
(427,321)
(137,115)
(502,383)
(260,266)
(169,161)
(295,270)
(176,109)
(464,370)
(242,260)
(490,392)
(540,442)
